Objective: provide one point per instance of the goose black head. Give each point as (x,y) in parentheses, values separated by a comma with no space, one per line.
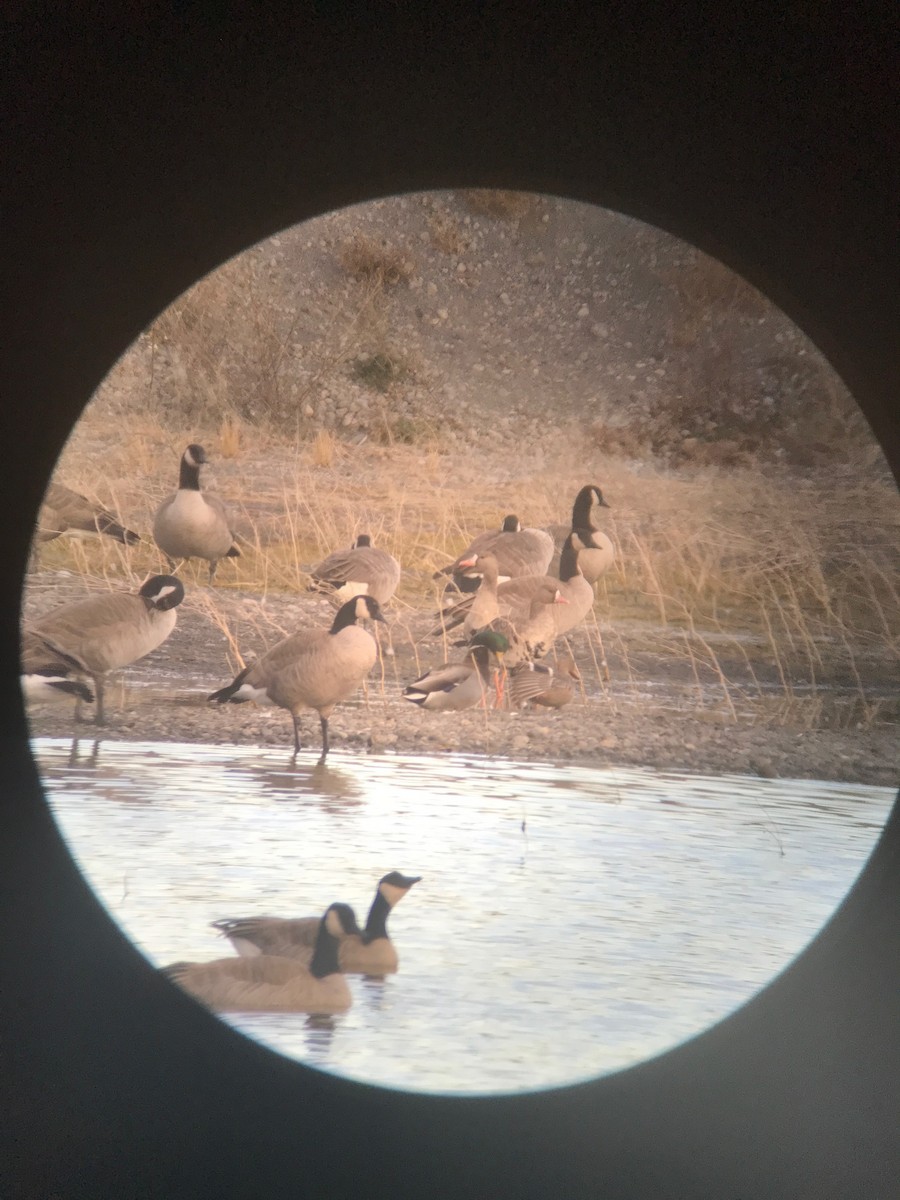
(368,608)
(363,540)
(399,880)
(162,591)
(340,920)
(394,886)
(359,608)
(195,455)
(511,524)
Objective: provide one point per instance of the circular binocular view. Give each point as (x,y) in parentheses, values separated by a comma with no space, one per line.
(460,642)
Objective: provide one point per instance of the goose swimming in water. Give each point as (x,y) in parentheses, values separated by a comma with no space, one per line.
(368,951)
(272,983)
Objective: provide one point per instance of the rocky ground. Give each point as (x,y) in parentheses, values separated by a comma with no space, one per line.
(652,710)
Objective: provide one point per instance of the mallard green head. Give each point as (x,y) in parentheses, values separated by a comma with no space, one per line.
(497,643)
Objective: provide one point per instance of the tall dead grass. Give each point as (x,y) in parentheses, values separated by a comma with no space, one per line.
(795,575)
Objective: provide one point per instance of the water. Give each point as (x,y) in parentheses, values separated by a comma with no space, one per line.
(632,910)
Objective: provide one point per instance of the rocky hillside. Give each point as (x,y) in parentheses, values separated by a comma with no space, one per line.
(456,317)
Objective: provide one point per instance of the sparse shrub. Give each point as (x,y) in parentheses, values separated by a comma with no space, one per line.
(379,371)
(375,261)
(503,205)
(446,234)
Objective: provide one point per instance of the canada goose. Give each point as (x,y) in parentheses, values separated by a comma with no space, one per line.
(597,553)
(271,983)
(64,511)
(316,668)
(189,524)
(103,633)
(539,683)
(453,686)
(363,570)
(518,552)
(369,951)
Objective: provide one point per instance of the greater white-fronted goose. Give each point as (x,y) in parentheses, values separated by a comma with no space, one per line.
(539,683)
(271,983)
(516,596)
(317,668)
(369,951)
(102,633)
(191,524)
(363,570)
(518,552)
(64,511)
(452,687)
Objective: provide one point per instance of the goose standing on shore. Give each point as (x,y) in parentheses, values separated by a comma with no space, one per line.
(598,552)
(64,511)
(363,570)
(477,610)
(97,635)
(515,598)
(270,983)
(369,951)
(191,524)
(518,552)
(316,668)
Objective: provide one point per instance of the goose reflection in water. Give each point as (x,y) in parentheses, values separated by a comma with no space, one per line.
(335,789)
(318,1034)
(91,761)
(106,777)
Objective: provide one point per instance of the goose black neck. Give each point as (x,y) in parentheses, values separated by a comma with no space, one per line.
(376,922)
(568,561)
(189,476)
(345,615)
(581,509)
(325,955)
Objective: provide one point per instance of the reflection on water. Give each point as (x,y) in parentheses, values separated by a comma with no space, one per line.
(570,920)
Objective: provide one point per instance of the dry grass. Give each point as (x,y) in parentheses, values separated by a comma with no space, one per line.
(498,203)
(229,442)
(375,261)
(720,569)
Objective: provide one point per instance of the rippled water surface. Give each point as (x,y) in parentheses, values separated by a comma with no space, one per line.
(571,921)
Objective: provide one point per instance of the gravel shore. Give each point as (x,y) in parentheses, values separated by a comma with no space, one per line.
(646,707)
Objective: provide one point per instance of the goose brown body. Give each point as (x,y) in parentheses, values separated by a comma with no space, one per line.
(315,668)
(517,552)
(64,511)
(192,524)
(363,570)
(272,983)
(366,951)
(103,633)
